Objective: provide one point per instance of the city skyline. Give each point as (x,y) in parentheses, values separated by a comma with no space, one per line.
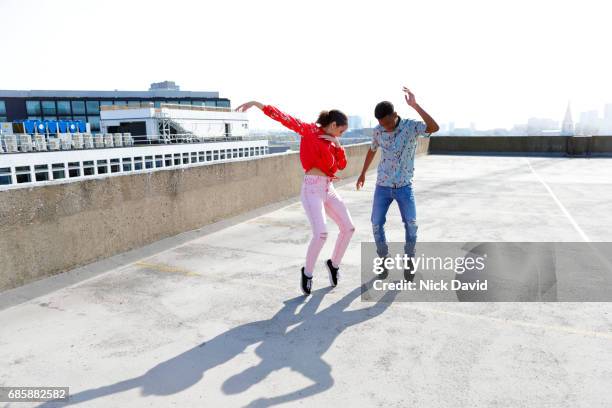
(584,123)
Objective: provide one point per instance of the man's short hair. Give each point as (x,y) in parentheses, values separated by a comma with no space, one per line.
(383,109)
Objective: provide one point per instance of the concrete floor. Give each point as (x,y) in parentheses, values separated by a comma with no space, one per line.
(218,321)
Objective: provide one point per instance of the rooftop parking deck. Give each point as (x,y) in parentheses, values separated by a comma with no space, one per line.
(218,320)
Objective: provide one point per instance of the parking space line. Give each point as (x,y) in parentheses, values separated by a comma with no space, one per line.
(564,210)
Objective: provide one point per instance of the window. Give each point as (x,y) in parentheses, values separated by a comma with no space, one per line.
(93,107)
(251,151)
(185,158)
(74,169)
(201,157)
(88,168)
(216,155)
(134,103)
(3,119)
(5,176)
(82,118)
(94,122)
(159,162)
(58,170)
(41,172)
(102,167)
(194,157)
(234,153)
(222,157)
(210,103)
(22,174)
(127,164)
(177,159)
(208,156)
(168,160)
(106,103)
(225,104)
(120,103)
(114,166)
(2,108)
(138,163)
(241,152)
(48,108)
(148,162)
(197,103)
(157,104)
(185,103)
(63,108)
(78,107)
(33,108)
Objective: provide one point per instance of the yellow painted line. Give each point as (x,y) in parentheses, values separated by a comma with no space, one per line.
(511,322)
(166,268)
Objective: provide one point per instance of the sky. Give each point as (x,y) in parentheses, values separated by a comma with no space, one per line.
(494,63)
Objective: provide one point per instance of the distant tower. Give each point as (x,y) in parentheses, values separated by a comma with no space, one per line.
(567,128)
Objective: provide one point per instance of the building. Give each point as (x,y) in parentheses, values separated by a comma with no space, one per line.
(606,123)
(85,105)
(172,122)
(355,122)
(589,123)
(127,132)
(538,126)
(567,127)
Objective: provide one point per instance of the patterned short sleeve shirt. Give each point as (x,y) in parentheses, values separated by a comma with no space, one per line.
(396,166)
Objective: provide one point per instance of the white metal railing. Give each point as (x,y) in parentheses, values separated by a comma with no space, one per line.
(28,173)
(21,143)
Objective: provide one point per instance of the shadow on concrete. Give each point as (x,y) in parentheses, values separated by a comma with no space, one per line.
(290,339)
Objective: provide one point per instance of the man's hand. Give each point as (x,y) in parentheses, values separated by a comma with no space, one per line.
(410,99)
(360,181)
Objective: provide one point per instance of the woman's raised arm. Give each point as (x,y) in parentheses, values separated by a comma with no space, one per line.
(286,120)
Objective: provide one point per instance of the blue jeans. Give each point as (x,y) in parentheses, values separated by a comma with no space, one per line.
(383,197)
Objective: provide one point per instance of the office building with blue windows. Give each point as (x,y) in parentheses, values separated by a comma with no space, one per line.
(84,106)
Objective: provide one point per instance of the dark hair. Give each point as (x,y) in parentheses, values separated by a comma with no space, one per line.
(383,109)
(334,115)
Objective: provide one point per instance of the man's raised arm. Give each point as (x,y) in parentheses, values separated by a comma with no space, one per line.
(432,126)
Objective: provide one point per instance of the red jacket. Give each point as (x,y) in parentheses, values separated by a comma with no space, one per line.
(314,151)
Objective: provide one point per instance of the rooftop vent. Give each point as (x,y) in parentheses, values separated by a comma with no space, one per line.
(165,86)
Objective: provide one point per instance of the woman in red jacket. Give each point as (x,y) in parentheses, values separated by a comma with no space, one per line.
(321,155)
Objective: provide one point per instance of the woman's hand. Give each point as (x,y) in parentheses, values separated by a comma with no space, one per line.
(332,139)
(246,106)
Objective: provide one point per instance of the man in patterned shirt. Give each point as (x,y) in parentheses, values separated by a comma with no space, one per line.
(398,139)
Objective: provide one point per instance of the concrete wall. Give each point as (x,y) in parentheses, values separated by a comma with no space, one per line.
(50,229)
(563,145)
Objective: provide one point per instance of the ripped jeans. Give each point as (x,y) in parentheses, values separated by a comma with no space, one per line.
(318,198)
(383,197)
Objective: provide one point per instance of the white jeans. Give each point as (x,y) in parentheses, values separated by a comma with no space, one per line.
(319,197)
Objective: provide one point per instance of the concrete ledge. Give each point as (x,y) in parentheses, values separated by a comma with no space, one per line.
(559,145)
(47,230)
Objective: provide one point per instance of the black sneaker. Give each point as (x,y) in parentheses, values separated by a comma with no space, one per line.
(408,272)
(306,283)
(334,273)
(385,273)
